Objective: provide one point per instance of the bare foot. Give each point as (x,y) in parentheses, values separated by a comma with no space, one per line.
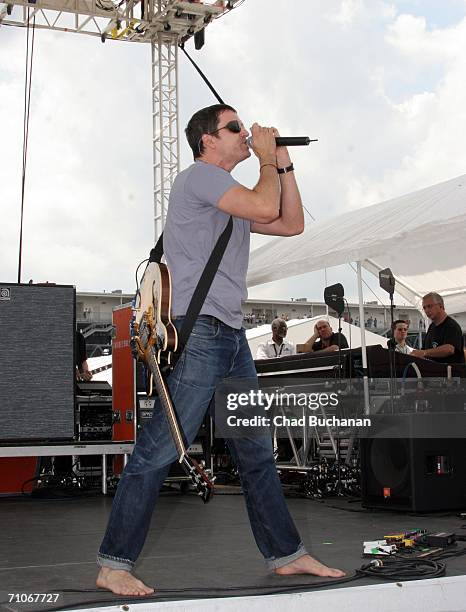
(308,565)
(121,582)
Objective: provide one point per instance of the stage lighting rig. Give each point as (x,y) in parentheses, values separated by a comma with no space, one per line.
(199,39)
(333,297)
(387,281)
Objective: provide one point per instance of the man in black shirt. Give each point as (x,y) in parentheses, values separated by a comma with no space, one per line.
(444,339)
(324,339)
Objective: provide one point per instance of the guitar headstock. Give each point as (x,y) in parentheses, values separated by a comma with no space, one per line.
(204,485)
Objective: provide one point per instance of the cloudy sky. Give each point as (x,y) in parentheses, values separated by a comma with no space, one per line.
(381,85)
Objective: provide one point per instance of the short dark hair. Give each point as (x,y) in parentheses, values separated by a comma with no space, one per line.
(395,323)
(203,122)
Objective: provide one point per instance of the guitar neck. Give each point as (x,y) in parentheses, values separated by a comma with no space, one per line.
(166,403)
(101,369)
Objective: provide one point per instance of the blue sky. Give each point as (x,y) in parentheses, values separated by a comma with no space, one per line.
(437,13)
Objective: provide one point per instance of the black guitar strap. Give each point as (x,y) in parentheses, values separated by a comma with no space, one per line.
(203,286)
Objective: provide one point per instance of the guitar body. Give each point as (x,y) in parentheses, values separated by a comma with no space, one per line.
(155,296)
(154,340)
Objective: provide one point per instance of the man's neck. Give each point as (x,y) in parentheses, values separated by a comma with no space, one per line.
(277,340)
(221,163)
(440,319)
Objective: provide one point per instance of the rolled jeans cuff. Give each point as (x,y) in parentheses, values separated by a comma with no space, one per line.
(114,562)
(281,561)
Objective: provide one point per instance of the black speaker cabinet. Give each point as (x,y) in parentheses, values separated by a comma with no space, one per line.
(37,336)
(418,475)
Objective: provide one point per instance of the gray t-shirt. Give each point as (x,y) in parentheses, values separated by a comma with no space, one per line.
(192,228)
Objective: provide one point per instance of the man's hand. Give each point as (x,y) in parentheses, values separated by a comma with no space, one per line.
(264,146)
(83,373)
(314,336)
(418,353)
(283,157)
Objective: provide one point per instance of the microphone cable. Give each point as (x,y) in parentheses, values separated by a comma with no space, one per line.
(214,91)
(394,569)
(27,107)
(402,570)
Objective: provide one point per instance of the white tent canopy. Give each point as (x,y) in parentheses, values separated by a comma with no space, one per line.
(420,236)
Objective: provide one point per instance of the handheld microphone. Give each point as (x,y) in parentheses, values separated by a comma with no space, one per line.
(287,141)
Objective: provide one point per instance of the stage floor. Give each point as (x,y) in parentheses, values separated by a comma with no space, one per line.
(49,546)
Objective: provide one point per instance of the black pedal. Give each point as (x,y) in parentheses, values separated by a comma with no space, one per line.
(441,539)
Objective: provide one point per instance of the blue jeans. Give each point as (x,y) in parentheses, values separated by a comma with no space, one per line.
(214,352)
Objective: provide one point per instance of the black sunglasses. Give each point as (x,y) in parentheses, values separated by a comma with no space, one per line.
(231,126)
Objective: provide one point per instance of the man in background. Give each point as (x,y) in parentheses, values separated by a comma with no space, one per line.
(444,341)
(324,339)
(400,332)
(277,346)
(82,367)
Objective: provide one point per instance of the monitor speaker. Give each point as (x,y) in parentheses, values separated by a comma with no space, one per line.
(37,362)
(413,474)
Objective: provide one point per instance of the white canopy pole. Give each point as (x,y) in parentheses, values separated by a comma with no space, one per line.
(362,327)
(326,284)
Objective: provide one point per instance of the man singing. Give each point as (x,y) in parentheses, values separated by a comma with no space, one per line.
(203,197)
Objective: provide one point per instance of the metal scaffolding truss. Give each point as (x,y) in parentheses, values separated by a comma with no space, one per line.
(162,23)
(94,17)
(166,147)
(129,20)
